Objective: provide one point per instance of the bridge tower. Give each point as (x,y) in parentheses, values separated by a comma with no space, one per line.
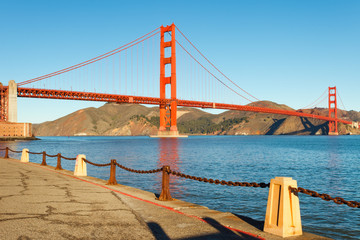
(333,130)
(168,125)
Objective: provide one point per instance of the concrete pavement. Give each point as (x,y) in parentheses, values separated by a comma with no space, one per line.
(37,202)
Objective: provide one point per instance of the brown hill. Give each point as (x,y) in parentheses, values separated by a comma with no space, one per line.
(130,120)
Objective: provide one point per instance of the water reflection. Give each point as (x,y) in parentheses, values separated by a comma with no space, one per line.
(169,155)
(334,181)
(13,145)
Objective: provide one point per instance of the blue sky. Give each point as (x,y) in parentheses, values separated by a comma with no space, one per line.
(288,52)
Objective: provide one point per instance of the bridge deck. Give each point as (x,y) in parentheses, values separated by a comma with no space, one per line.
(88,96)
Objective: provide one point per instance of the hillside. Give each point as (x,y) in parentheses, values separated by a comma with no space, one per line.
(130,120)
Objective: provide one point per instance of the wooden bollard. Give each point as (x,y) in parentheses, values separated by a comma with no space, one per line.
(283,209)
(44,159)
(112,179)
(58,166)
(165,189)
(80,166)
(6,152)
(25,155)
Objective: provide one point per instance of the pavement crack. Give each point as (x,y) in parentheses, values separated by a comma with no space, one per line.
(50,209)
(21,218)
(67,191)
(24,184)
(137,216)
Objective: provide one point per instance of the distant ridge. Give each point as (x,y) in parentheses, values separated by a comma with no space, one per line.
(113,119)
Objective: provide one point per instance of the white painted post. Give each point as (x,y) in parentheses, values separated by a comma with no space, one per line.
(283,209)
(25,155)
(80,166)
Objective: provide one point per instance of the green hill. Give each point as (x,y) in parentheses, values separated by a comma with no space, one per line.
(113,119)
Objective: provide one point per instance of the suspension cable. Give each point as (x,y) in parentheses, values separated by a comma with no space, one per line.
(214,65)
(95,59)
(337,91)
(315,102)
(211,72)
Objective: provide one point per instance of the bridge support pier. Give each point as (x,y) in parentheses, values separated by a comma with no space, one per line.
(8,102)
(12,96)
(8,113)
(3,103)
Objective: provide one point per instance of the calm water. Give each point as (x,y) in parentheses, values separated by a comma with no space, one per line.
(321,163)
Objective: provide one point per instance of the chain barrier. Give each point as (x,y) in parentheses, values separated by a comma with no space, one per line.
(34,152)
(166,170)
(14,151)
(139,171)
(326,197)
(48,155)
(66,158)
(222,182)
(96,164)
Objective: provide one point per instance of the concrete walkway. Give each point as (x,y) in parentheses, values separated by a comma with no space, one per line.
(38,202)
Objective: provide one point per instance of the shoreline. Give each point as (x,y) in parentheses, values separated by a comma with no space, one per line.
(189,135)
(19,138)
(146,206)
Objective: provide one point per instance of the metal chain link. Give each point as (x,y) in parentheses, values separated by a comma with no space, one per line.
(51,155)
(139,171)
(14,151)
(66,158)
(96,164)
(326,197)
(34,152)
(222,182)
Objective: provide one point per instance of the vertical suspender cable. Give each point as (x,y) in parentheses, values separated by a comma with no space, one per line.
(131,67)
(107,75)
(153,68)
(125,92)
(120,73)
(137,69)
(100,76)
(148,67)
(113,75)
(142,69)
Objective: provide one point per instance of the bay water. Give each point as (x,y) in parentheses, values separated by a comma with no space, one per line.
(326,164)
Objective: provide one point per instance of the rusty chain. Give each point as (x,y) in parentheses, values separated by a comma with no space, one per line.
(96,164)
(139,171)
(48,155)
(34,152)
(222,182)
(326,197)
(14,151)
(66,158)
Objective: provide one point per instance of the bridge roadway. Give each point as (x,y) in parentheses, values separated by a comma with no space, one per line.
(37,202)
(88,96)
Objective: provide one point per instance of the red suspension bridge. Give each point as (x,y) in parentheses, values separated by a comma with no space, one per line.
(130,74)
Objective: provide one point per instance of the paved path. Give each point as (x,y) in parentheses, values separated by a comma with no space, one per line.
(38,202)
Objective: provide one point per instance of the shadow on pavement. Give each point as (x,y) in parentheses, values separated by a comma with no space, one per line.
(222,232)
(255,223)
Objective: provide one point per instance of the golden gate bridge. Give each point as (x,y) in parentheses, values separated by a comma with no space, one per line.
(131,74)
